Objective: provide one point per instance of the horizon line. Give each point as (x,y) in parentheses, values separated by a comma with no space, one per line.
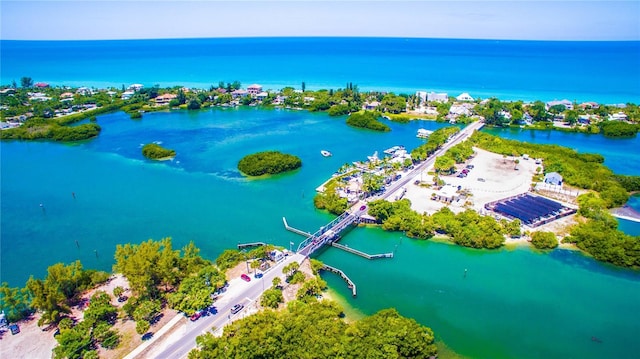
(323,37)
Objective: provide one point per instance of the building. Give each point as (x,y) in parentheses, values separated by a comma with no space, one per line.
(239,93)
(164,99)
(446,194)
(136,87)
(422,95)
(620,116)
(254,89)
(276,255)
(437,97)
(553,178)
(41,85)
(370,105)
(464,97)
(422,133)
(566,103)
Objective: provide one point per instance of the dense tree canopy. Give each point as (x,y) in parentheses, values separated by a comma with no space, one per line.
(288,334)
(367,119)
(544,240)
(438,138)
(156,152)
(269,162)
(619,129)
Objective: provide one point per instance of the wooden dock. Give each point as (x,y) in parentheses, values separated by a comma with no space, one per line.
(337,271)
(361,253)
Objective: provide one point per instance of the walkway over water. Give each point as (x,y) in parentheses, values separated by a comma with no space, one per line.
(337,271)
(361,253)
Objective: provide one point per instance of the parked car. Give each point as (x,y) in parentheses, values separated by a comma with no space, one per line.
(258,275)
(363,208)
(245,278)
(122,298)
(236,308)
(195,316)
(481,179)
(14,328)
(470,167)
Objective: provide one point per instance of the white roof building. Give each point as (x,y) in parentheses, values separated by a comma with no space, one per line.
(464,97)
(437,97)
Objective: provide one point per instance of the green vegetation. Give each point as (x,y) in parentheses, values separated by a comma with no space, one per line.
(438,138)
(544,240)
(468,228)
(271,298)
(582,170)
(619,129)
(331,202)
(37,128)
(287,334)
(156,152)
(367,119)
(599,235)
(270,162)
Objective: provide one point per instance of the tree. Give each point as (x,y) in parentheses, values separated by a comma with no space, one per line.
(544,240)
(14,302)
(142,326)
(194,104)
(271,298)
(517,161)
(26,82)
(276,282)
(304,86)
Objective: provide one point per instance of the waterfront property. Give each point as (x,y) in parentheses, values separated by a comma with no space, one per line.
(531,210)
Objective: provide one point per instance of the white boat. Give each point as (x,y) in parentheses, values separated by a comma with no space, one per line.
(325,153)
(422,133)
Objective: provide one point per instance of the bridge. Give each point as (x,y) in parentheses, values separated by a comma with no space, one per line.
(328,232)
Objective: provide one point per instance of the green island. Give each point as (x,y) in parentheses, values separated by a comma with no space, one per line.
(368,120)
(154,151)
(268,162)
(161,281)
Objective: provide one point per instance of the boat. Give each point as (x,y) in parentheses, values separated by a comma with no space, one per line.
(422,133)
(325,153)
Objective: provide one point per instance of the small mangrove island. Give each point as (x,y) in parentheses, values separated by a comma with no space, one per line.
(367,119)
(154,151)
(268,162)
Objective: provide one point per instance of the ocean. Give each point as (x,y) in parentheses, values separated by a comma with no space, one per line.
(514,302)
(606,72)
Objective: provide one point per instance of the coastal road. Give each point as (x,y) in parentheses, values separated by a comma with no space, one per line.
(459,137)
(239,292)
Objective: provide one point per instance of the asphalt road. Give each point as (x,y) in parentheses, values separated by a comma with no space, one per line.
(249,292)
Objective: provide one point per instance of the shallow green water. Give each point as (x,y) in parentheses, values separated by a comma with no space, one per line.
(511,304)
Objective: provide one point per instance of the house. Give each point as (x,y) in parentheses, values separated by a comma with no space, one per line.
(239,93)
(127,94)
(84,91)
(589,105)
(584,119)
(422,95)
(135,87)
(459,110)
(164,99)
(553,178)
(620,116)
(41,85)
(276,255)
(254,89)
(566,103)
(7,91)
(262,95)
(422,133)
(370,105)
(437,97)
(446,194)
(38,96)
(464,97)
(66,95)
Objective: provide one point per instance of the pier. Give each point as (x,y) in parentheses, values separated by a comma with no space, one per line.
(337,271)
(295,230)
(361,253)
(249,245)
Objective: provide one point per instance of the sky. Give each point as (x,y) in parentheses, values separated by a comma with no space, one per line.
(480,19)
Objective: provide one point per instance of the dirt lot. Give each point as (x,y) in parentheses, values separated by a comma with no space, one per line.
(34,342)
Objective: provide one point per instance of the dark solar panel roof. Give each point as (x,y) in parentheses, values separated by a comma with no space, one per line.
(527,208)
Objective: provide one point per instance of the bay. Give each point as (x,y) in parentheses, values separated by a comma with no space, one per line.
(513,303)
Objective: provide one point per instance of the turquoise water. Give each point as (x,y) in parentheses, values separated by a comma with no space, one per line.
(529,70)
(513,303)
